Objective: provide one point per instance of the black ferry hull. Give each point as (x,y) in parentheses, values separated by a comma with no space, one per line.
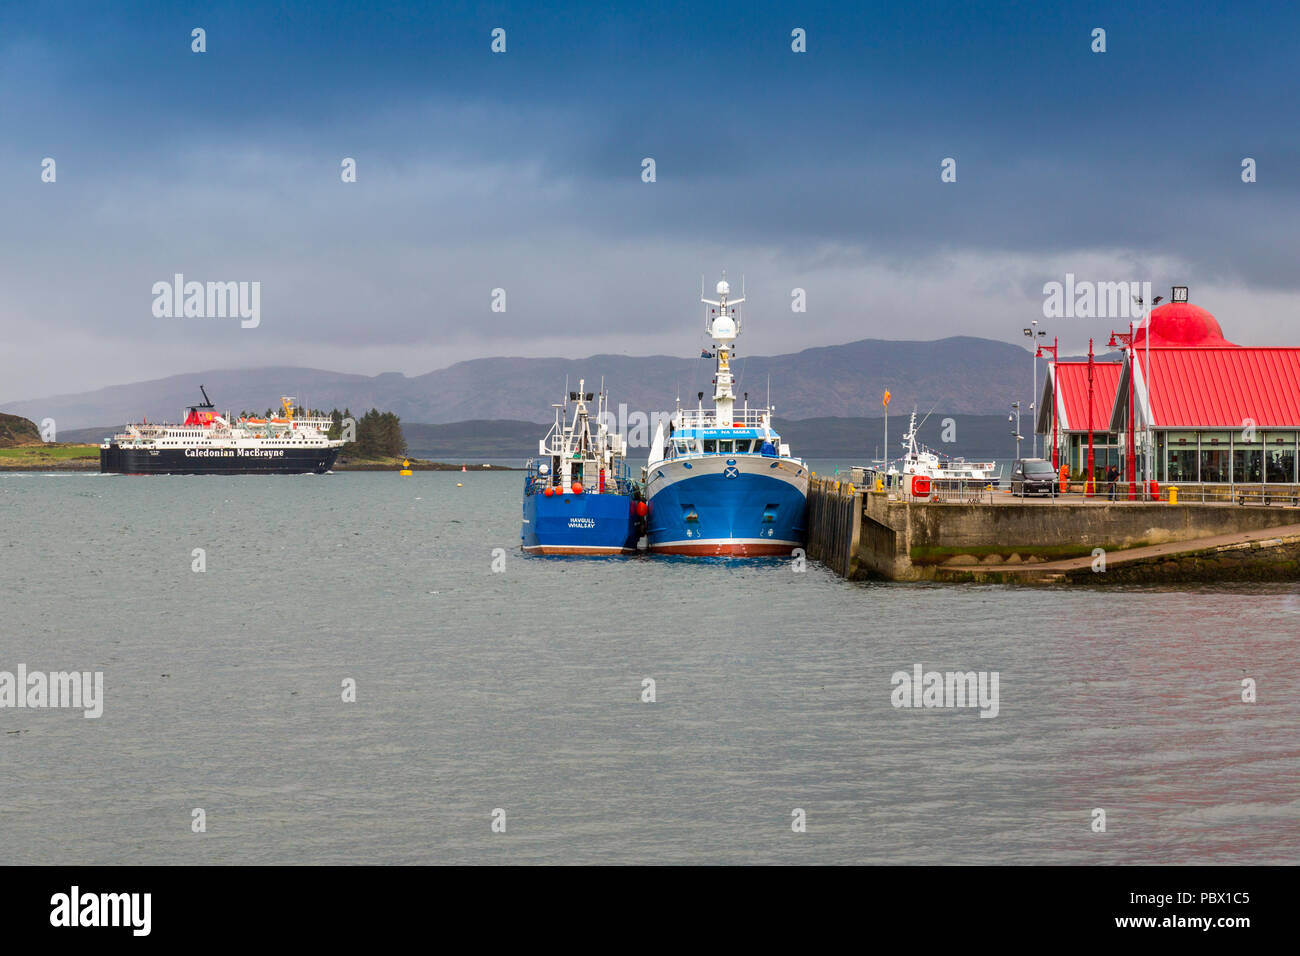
(206,461)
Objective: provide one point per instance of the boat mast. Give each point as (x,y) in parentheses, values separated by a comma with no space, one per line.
(723,325)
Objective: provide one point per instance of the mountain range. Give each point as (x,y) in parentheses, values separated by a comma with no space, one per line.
(959,375)
(859,439)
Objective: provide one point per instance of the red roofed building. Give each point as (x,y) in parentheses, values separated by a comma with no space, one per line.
(1065,395)
(1206,410)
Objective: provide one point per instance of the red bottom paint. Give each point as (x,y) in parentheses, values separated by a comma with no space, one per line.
(727,549)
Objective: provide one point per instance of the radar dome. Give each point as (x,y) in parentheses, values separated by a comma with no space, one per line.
(724,288)
(724,327)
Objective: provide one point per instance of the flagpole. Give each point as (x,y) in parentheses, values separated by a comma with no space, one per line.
(884,400)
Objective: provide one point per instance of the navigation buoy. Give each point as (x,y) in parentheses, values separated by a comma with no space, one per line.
(460,484)
(406,468)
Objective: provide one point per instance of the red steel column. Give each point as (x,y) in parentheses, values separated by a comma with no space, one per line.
(1088,478)
(1132,380)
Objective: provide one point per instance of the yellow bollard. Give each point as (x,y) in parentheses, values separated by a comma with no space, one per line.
(880,484)
(1173,494)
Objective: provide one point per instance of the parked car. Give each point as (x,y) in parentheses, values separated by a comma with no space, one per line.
(1033,476)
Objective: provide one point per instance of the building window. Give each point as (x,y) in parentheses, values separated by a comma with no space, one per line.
(1182,457)
(1248,459)
(1279,456)
(1216,455)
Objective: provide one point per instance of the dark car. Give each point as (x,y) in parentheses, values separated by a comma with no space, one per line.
(1033,476)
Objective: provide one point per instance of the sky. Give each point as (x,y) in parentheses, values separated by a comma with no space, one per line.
(523,171)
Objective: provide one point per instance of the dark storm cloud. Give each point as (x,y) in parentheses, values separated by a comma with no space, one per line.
(522,171)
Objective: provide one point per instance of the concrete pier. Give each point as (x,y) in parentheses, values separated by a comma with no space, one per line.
(1043,541)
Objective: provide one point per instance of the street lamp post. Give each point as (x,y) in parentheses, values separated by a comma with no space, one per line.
(1130,466)
(1016,433)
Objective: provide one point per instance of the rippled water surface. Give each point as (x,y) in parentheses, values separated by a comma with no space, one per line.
(521,690)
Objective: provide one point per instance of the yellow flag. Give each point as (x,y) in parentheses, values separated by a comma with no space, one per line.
(885,401)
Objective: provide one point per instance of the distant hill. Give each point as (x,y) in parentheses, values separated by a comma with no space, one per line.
(15,430)
(975,436)
(464,441)
(967,376)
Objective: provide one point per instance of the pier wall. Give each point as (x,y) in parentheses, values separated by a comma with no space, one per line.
(868,534)
(834,522)
(1275,559)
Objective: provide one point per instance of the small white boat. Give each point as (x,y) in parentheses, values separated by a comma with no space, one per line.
(920,460)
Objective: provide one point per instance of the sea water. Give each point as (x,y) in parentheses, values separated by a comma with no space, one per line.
(491,686)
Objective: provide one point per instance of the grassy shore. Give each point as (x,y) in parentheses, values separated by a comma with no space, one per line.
(50,457)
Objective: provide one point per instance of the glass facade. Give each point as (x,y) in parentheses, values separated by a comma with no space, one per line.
(1280,456)
(1247,458)
(1223,457)
(1184,457)
(1105,452)
(1216,457)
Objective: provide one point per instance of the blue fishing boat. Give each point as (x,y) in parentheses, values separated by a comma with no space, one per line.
(579,496)
(720,481)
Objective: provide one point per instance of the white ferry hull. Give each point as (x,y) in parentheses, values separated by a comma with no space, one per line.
(209,461)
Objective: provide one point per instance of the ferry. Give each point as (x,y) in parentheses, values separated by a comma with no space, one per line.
(206,443)
(579,496)
(720,481)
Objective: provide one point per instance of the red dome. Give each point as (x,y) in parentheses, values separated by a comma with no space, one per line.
(1182,325)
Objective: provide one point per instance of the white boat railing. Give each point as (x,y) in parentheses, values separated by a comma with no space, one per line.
(707,418)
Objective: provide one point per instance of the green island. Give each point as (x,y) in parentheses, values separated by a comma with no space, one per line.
(380,447)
